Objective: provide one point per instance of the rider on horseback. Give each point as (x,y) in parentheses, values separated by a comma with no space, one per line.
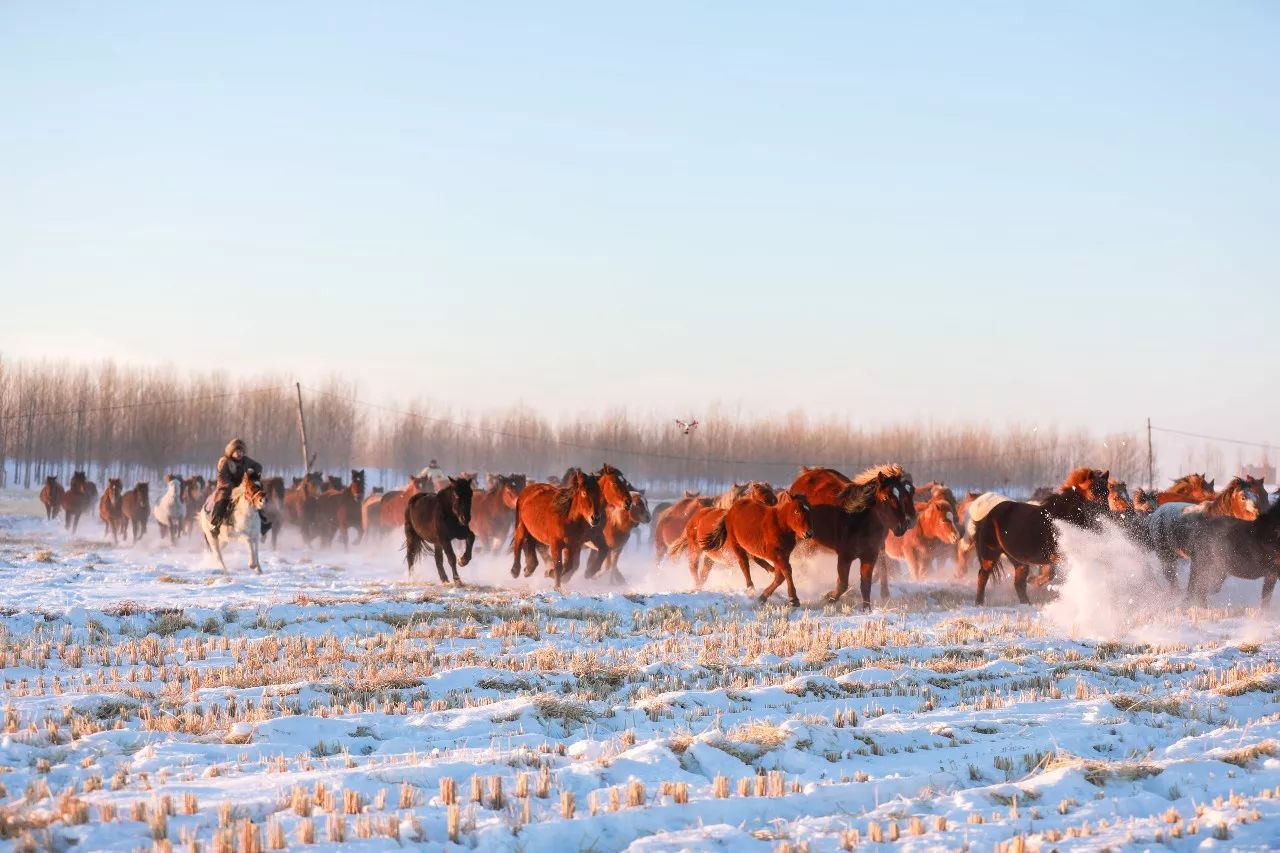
(231,469)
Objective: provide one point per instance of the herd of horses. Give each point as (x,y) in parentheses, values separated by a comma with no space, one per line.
(876,517)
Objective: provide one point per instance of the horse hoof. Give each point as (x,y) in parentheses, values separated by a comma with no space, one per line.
(464,561)
(762,600)
(529,571)
(515,572)
(795,602)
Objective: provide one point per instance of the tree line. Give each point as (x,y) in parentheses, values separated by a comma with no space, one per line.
(140,423)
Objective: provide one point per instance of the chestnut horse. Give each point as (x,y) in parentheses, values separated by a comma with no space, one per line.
(493,511)
(76,500)
(1144,501)
(669,522)
(111,511)
(1190,488)
(559,518)
(935,530)
(1025,532)
(51,497)
(136,507)
(1173,527)
(433,520)
(1231,546)
(616,493)
(300,505)
(339,508)
(618,525)
(852,517)
(392,506)
(753,530)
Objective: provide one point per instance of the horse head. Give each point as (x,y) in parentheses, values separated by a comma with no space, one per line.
(614,487)
(251,484)
(1239,500)
(795,513)
(640,508)
(459,499)
(762,492)
(1118,501)
(586,498)
(938,520)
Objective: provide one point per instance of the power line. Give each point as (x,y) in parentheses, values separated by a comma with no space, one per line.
(140,404)
(1216,438)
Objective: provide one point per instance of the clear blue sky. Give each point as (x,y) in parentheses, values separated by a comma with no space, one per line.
(991,211)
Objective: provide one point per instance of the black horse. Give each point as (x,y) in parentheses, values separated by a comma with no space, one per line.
(433,521)
(1230,546)
(1024,531)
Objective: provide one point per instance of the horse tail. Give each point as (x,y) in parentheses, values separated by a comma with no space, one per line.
(414,544)
(678,545)
(714,539)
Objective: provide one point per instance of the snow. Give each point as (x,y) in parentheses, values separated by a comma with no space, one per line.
(1104,716)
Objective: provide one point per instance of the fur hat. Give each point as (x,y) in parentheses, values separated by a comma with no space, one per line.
(232,446)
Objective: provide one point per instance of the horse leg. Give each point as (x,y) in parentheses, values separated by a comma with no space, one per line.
(517,545)
(784,566)
(745,566)
(438,553)
(881,570)
(773,584)
(844,562)
(558,552)
(470,539)
(694,558)
(1046,577)
(1268,585)
(530,556)
(1020,572)
(253,555)
(216,547)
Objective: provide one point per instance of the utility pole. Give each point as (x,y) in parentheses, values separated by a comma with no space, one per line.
(1151,460)
(302,430)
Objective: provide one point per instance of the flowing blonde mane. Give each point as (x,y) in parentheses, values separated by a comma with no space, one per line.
(889,469)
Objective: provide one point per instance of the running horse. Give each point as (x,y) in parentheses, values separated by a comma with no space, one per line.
(338,509)
(273,505)
(1226,546)
(1189,488)
(432,520)
(76,500)
(493,511)
(935,530)
(618,526)
(561,518)
(300,505)
(51,497)
(669,521)
(1025,531)
(136,507)
(170,512)
(852,517)
(617,494)
(1172,529)
(390,510)
(243,522)
(111,511)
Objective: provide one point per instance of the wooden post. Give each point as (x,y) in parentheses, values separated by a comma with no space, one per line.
(302,430)
(1151,460)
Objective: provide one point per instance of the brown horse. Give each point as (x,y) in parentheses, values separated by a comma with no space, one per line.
(935,530)
(76,500)
(339,509)
(111,511)
(1190,488)
(754,530)
(618,525)
(1259,489)
(1144,501)
(493,511)
(669,523)
(1118,502)
(852,517)
(195,491)
(136,506)
(392,506)
(1025,533)
(1173,528)
(273,506)
(300,505)
(51,497)
(617,495)
(433,520)
(559,518)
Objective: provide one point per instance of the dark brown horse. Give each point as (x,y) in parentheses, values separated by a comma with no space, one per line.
(136,506)
(111,511)
(852,517)
(76,500)
(754,530)
(51,497)
(195,491)
(935,531)
(433,520)
(1259,490)
(493,511)
(338,509)
(559,518)
(669,523)
(1025,533)
(300,505)
(1190,488)
(273,506)
(1234,547)
(1144,501)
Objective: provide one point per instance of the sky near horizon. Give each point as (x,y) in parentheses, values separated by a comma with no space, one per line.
(987,211)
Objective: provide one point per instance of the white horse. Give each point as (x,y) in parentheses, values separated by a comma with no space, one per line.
(242,522)
(170,511)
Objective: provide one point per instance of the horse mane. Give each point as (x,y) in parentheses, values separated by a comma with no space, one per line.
(1222,498)
(857,497)
(887,470)
(563,499)
(1082,476)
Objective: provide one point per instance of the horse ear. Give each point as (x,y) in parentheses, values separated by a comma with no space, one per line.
(784,497)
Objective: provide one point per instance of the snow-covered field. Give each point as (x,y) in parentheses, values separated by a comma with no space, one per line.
(148,696)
